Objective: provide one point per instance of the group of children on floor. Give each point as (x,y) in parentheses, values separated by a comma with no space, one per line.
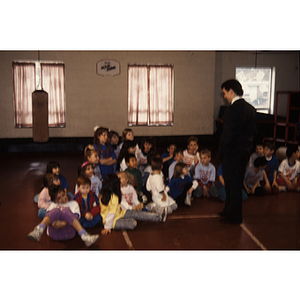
(119,184)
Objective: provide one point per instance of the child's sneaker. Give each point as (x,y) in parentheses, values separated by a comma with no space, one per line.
(151,207)
(163,212)
(187,200)
(282,188)
(36,234)
(89,240)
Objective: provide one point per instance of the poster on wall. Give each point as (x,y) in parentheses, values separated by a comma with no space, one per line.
(108,67)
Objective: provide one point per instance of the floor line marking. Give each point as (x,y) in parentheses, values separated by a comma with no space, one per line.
(258,243)
(176,217)
(127,240)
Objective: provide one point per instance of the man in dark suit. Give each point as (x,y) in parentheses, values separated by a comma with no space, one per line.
(235,147)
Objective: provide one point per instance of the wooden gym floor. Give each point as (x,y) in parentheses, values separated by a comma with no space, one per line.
(269,222)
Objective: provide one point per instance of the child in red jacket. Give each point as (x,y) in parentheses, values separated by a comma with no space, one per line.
(88,203)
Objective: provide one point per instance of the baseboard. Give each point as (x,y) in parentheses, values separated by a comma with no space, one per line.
(75,144)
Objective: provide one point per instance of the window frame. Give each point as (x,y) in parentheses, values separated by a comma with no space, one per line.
(170,112)
(38,86)
(271,91)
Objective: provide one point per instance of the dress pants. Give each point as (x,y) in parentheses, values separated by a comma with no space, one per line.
(234,167)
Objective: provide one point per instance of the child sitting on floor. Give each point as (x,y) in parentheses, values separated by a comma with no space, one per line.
(44,199)
(112,215)
(254,175)
(87,170)
(289,170)
(167,159)
(181,185)
(88,203)
(135,176)
(191,155)
(61,220)
(155,185)
(54,167)
(128,147)
(178,157)
(141,154)
(205,174)
(259,152)
(129,196)
(271,185)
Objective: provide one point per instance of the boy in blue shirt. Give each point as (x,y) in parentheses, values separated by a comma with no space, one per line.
(271,185)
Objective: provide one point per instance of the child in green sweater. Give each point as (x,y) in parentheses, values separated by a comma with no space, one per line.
(135,176)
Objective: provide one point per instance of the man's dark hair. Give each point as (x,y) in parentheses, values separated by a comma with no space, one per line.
(234,85)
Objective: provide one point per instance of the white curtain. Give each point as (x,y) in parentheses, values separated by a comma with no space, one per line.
(150,95)
(161,99)
(137,95)
(24,86)
(53,78)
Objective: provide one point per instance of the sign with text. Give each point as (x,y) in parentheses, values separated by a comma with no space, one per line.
(108,67)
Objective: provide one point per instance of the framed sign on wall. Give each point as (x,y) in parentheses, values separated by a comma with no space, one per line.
(108,67)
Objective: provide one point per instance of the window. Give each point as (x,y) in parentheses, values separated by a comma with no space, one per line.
(150,95)
(258,85)
(28,77)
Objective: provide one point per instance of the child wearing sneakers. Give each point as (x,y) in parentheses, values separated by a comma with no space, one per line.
(271,185)
(112,215)
(205,174)
(254,176)
(61,220)
(155,185)
(181,185)
(289,170)
(88,203)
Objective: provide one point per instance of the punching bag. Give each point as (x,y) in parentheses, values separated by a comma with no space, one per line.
(40,129)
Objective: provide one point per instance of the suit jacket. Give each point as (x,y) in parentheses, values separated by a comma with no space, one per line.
(239,124)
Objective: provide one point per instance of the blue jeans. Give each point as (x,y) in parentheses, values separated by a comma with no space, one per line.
(89,224)
(42,213)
